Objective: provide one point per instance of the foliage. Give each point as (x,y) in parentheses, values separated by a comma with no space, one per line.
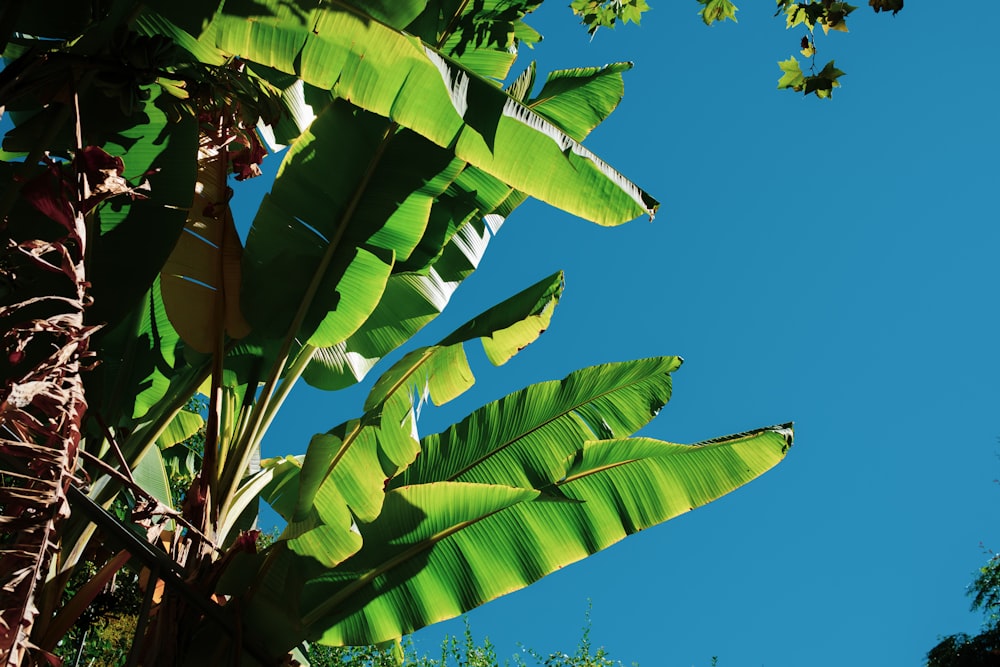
(464,651)
(717,10)
(584,656)
(148,346)
(106,640)
(886,5)
(105,644)
(605,13)
(827,14)
(985,590)
(822,84)
(982,650)
(103,634)
(961,650)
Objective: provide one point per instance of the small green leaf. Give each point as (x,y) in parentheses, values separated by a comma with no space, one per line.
(792,77)
(808,47)
(717,10)
(823,83)
(605,13)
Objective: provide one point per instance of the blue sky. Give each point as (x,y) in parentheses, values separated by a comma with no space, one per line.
(827,262)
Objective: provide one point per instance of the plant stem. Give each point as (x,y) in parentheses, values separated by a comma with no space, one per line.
(254,431)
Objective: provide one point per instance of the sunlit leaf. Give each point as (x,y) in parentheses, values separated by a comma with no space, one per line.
(398,77)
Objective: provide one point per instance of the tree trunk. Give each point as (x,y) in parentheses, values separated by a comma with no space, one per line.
(44,347)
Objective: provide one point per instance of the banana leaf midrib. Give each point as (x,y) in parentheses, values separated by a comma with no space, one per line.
(538,427)
(569,479)
(399,559)
(250,438)
(452,24)
(399,384)
(683,450)
(253,433)
(690,449)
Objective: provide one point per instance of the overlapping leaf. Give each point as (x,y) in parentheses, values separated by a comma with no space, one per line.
(140,357)
(442,371)
(460,226)
(523,438)
(440,549)
(342,476)
(398,77)
(414,298)
(344,472)
(138,235)
(184,425)
(346,203)
(482,36)
(138,344)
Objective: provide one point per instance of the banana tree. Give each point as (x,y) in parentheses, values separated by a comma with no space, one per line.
(406,152)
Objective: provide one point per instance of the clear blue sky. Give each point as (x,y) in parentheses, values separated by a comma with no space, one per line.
(828,262)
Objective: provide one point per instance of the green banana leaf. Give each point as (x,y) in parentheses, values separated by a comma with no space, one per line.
(395,13)
(423,561)
(274,612)
(578,100)
(397,76)
(482,36)
(282,489)
(300,104)
(412,299)
(138,343)
(344,472)
(137,232)
(442,371)
(186,17)
(522,439)
(138,235)
(522,86)
(184,424)
(341,476)
(437,550)
(246,496)
(140,356)
(150,474)
(343,214)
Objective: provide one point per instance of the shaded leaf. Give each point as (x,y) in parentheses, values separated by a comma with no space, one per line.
(886,5)
(200,281)
(483,36)
(346,202)
(184,425)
